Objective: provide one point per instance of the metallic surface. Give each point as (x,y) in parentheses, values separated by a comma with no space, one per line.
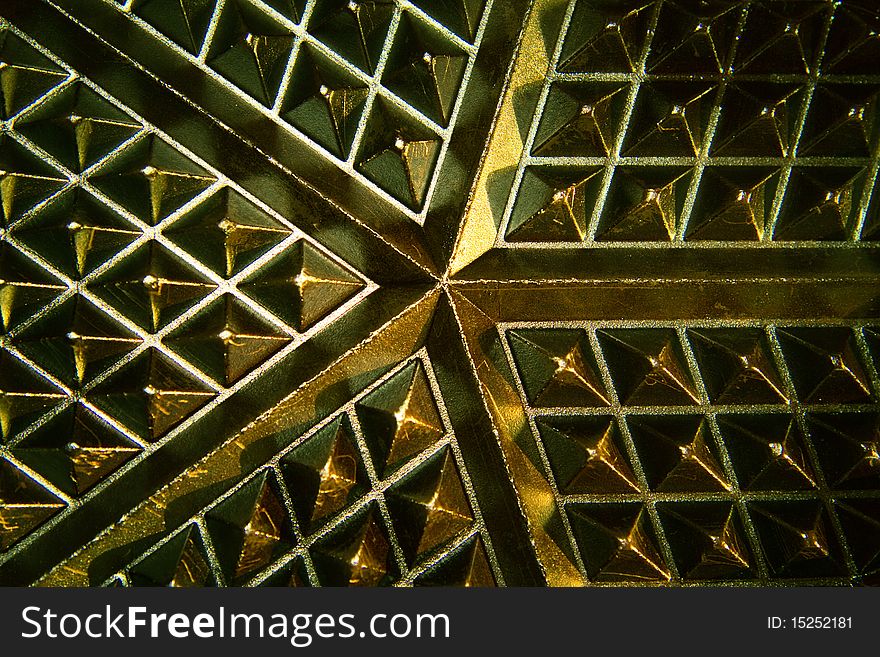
(439,292)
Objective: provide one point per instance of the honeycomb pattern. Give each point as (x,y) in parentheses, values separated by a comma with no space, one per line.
(439,292)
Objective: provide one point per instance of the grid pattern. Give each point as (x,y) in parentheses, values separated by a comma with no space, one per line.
(706,452)
(711,124)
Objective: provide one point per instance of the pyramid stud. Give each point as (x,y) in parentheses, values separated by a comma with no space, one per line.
(796,538)
(183,21)
(399,154)
(554,205)
(75,342)
(460,16)
(767,452)
(425,70)
(302,285)
(466,566)
(733,203)
(227,340)
(643,203)
(356,553)
(400,418)
(355,30)
(76,233)
(249,529)
(757,119)
(429,507)
(24,395)
(24,505)
(25,288)
(586,455)
(840,121)
(324,474)
(677,453)
(669,119)
(151,286)
(825,365)
(580,120)
(707,540)
(616,542)
(25,74)
(737,366)
(181,562)
(75,450)
(77,126)
(781,38)
(853,45)
(325,101)
(150,395)
(151,179)
(696,37)
(251,50)
(25,181)
(820,203)
(557,368)
(227,232)
(648,367)
(860,520)
(605,37)
(848,446)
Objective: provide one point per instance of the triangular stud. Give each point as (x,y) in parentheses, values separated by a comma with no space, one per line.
(325,101)
(758,119)
(554,205)
(825,365)
(25,288)
(227,340)
(24,505)
(24,396)
(643,203)
(355,553)
(400,418)
(429,507)
(586,455)
(151,179)
(734,203)
(183,21)
(150,395)
(302,285)
(605,37)
(25,75)
(557,368)
(324,474)
(151,286)
(460,16)
(678,453)
(767,452)
(248,529)
(695,37)
(76,342)
(399,154)
(75,450)
(860,520)
(780,39)
(841,121)
(76,233)
(181,562)
(25,181)
(355,29)
(580,120)
(819,204)
(466,566)
(77,126)
(707,540)
(616,542)
(251,50)
(737,366)
(648,367)
(425,70)
(848,446)
(669,119)
(227,232)
(853,44)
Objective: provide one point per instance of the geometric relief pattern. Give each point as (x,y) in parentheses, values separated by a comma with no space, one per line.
(439,292)
(713,454)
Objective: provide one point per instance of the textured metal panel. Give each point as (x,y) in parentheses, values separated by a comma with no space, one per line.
(456,292)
